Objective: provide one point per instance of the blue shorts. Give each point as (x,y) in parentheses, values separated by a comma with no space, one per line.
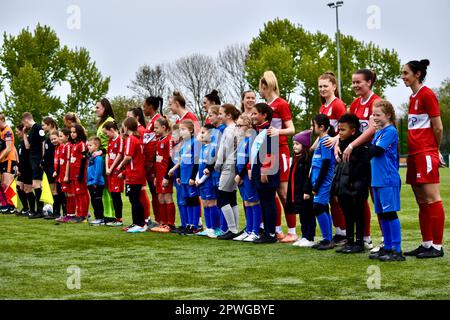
(180,198)
(386,199)
(208,192)
(323,196)
(248,191)
(189,191)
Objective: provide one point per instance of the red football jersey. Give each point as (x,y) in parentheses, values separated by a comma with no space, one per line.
(423,106)
(150,140)
(134,170)
(64,158)
(190,116)
(363,110)
(115,148)
(163,152)
(77,154)
(335,110)
(281,114)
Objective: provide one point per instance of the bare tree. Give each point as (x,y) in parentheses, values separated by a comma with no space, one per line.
(232,63)
(195,76)
(150,82)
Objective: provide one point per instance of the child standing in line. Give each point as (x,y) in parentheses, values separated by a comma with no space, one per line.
(78,172)
(299,197)
(174,173)
(351,183)
(265,170)
(163,184)
(48,162)
(226,165)
(321,179)
(114,155)
(62,174)
(189,155)
(253,213)
(96,181)
(134,174)
(205,183)
(58,196)
(386,181)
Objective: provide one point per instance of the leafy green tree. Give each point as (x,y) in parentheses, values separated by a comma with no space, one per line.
(443,94)
(35,65)
(122,104)
(298,57)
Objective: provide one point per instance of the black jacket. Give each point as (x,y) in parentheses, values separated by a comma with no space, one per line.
(299,179)
(353,178)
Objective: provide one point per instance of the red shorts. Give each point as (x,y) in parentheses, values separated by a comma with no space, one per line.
(79,187)
(423,168)
(66,187)
(163,190)
(285,159)
(115,184)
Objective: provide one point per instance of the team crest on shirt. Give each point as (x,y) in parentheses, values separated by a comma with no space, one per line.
(330,112)
(148,137)
(416,107)
(366,112)
(41,133)
(162,146)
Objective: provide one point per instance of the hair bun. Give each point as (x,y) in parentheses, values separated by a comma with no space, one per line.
(214,92)
(425,62)
(331,73)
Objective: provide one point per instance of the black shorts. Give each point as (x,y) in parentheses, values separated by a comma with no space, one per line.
(36,169)
(25,177)
(8,166)
(49,173)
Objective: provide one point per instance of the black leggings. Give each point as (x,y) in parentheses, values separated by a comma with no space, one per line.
(353,209)
(117,203)
(96,193)
(308,221)
(269,209)
(137,210)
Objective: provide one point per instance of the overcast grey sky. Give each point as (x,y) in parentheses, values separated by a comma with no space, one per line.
(121,35)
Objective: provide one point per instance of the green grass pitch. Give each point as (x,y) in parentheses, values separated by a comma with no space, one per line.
(35,256)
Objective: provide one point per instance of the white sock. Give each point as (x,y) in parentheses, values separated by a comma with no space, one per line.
(236,215)
(427,244)
(229,216)
(292,231)
(278,229)
(367,239)
(340,232)
(200,221)
(437,246)
(261,225)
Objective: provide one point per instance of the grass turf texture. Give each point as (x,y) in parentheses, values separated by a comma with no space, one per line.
(35,255)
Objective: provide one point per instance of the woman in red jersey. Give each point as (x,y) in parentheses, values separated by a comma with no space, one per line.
(282,127)
(424,139)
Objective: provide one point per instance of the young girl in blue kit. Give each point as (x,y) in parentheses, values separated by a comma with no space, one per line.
(322,169)
(206,184)
(189,159)
(386,181)
(253,213)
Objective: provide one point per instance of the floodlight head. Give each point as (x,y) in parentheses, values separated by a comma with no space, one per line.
(331,4)
(340,3)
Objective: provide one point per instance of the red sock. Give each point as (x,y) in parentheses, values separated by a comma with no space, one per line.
(337,214)
(170,213)
(425,222)
(86,200)
(145,203)
(436,210)
(70,205)
(155,206)
(279,209)
(291,219)
(163,213)
(367,218)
